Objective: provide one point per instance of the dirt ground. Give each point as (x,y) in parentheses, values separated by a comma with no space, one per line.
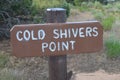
(98,75)
(89,66)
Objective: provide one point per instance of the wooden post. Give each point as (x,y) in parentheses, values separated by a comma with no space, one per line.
(57,64)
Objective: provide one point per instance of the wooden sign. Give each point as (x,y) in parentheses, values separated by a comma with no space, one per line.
(56,38)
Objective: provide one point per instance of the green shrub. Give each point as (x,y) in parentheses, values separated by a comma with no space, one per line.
(21,7)
(112,48)
(70,1)
(98,14)
(42,4)
(78,2)
(67,7)
(108,22)
(39,6)
(85,6)
(108,6)
(103,1)
(98,5)
(90,5)
(81,8)
(15,7)
(118,5)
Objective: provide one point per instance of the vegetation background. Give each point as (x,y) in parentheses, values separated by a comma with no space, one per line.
(33,11)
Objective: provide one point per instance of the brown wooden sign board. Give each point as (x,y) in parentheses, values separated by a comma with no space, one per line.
(56,38)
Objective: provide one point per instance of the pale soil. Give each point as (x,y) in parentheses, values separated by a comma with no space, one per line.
(92,66)
(98,75)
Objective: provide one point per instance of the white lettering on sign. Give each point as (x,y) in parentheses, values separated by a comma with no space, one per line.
(72,44)
(27,35)
(33,37)
(56,36)
(63,33)
(95,32)
(58,46)
(89,32)
(18,36)
(75,32)
(41,34)
(52,46)
(81,33)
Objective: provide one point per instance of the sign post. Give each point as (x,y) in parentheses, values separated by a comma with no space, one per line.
(57,64)
(56,39)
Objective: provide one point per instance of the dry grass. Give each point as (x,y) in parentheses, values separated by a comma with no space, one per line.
(4,58)
(7,74)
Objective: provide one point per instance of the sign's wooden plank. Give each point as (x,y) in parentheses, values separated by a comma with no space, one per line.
(56,38)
